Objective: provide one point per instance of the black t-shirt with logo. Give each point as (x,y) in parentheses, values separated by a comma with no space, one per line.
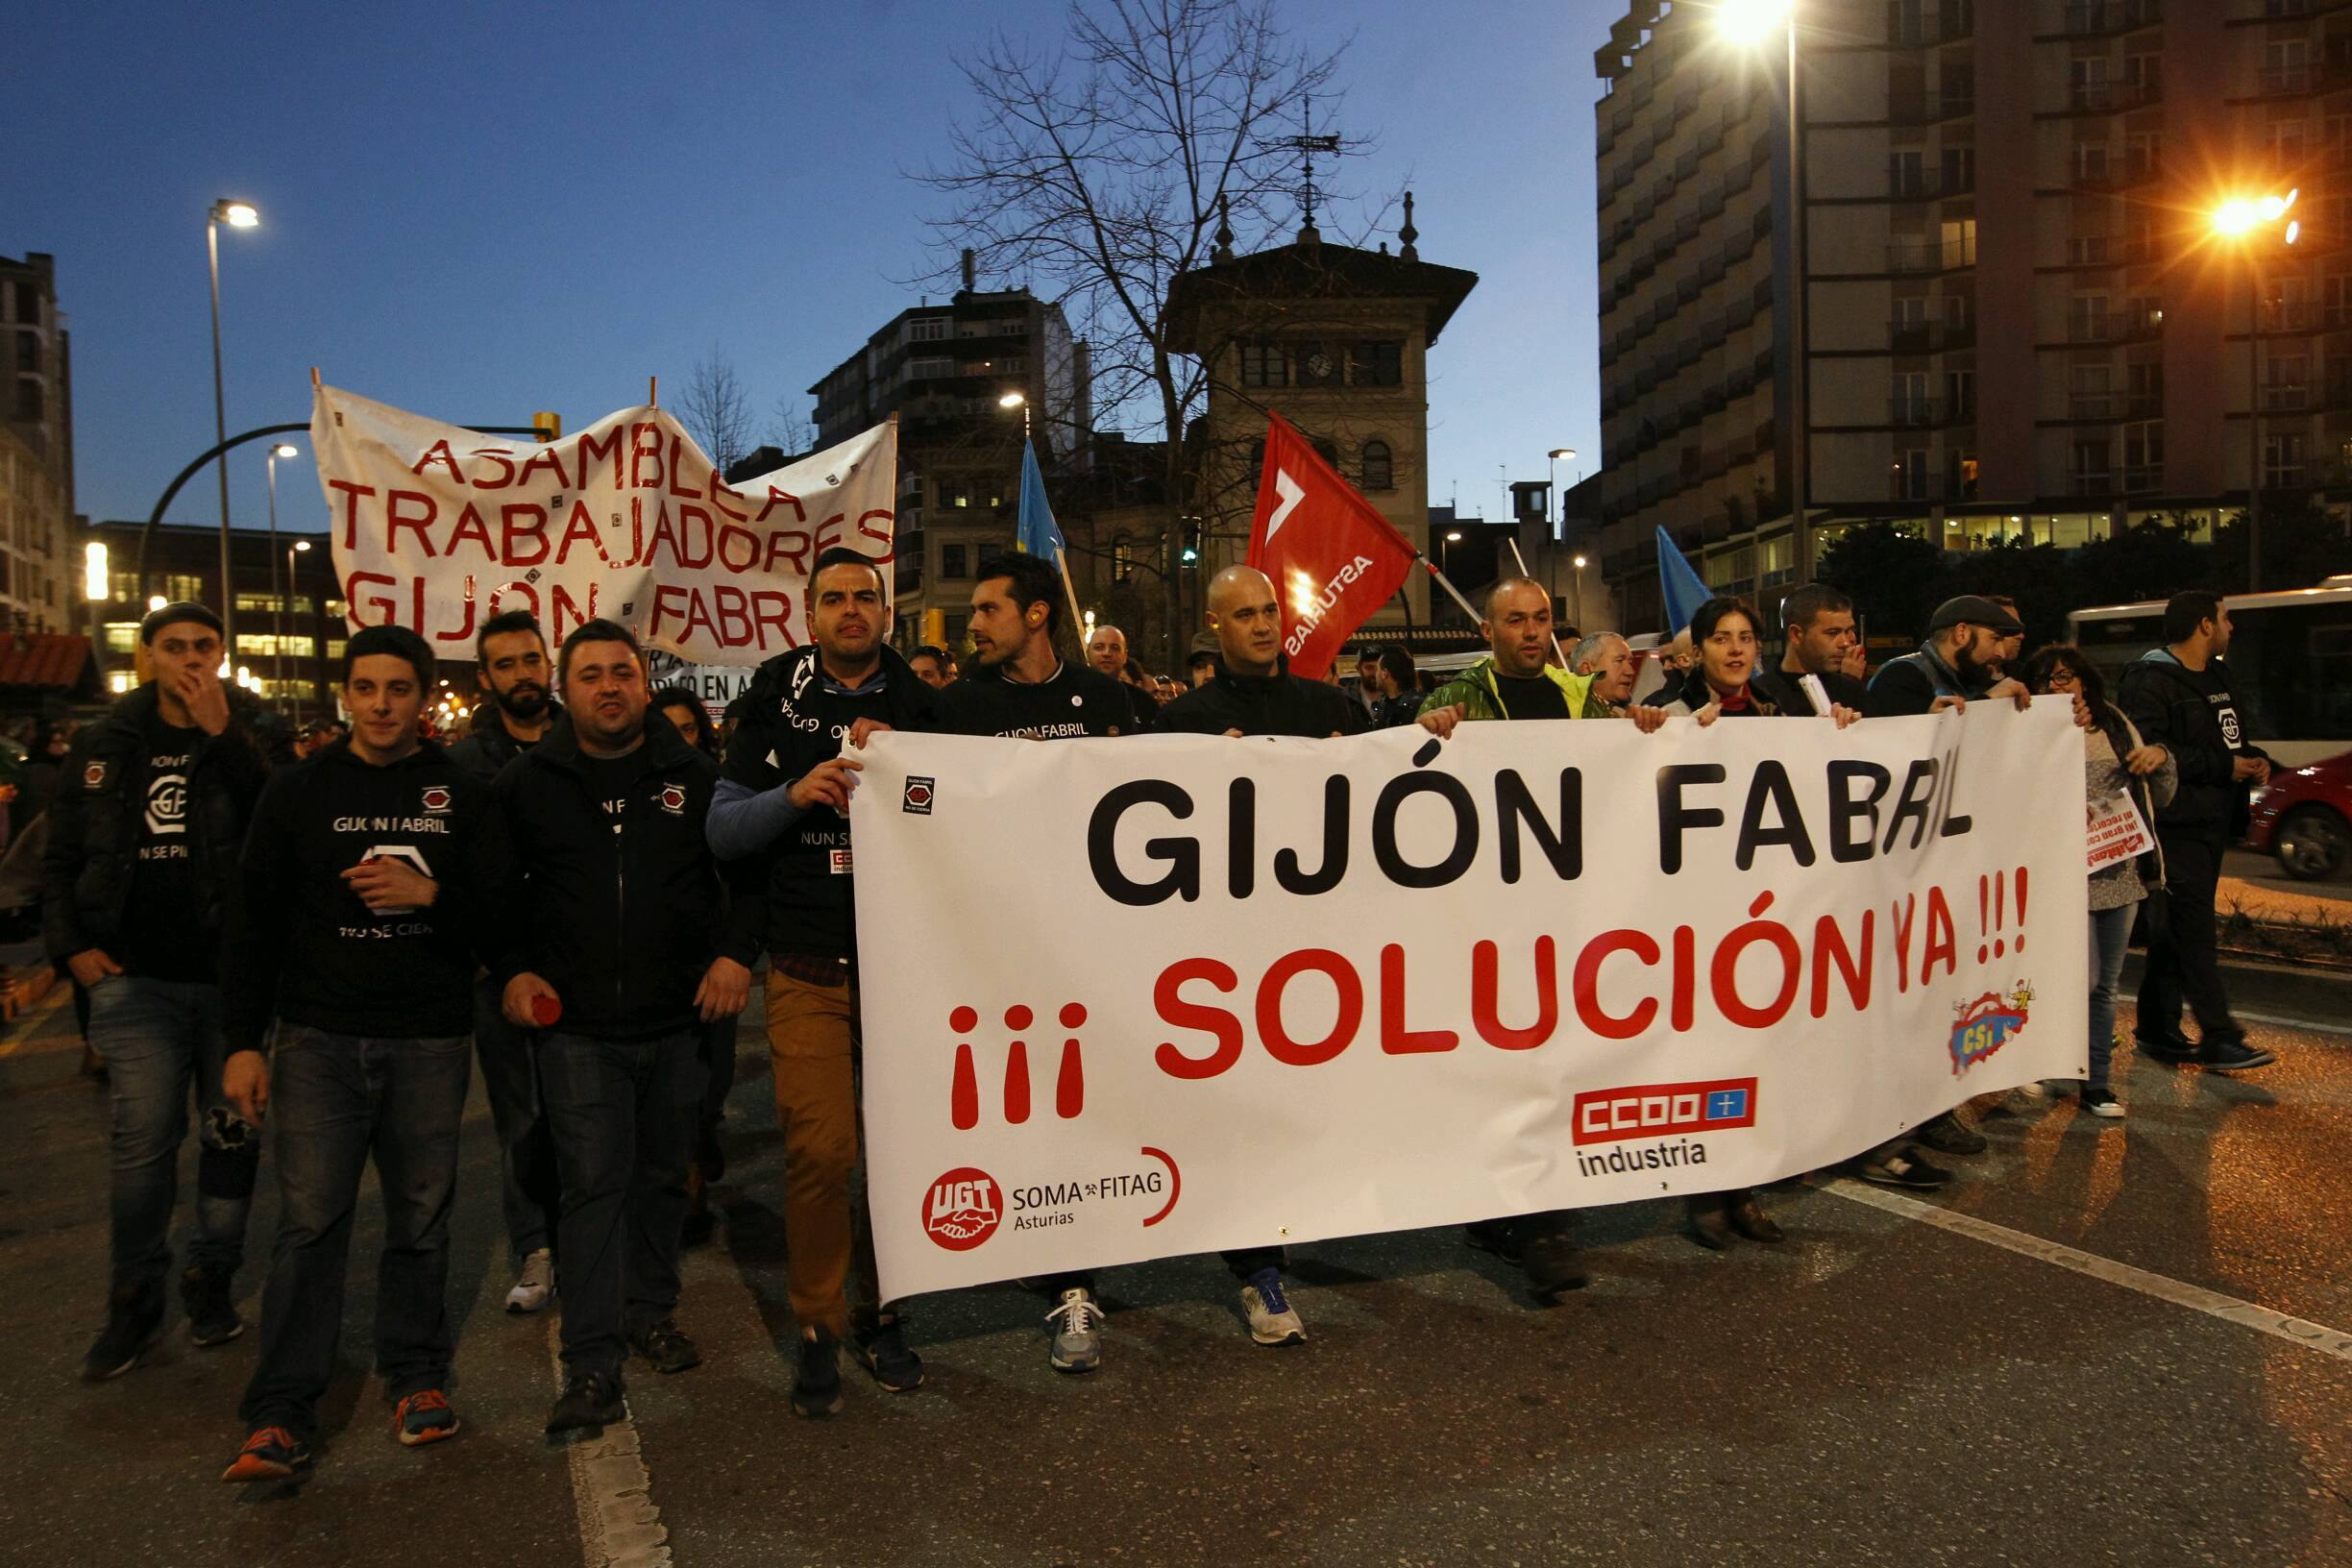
(1076,702)
(612,778)
(160,936)
(1533,697)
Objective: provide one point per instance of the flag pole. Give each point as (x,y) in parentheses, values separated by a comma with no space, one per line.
(1447,583)
(1556,646)
(1077,617)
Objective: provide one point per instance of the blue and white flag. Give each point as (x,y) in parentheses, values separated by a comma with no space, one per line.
(1678,581)
(1039,534)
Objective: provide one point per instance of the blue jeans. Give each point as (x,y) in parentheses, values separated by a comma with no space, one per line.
(527,1159)
(162,1043)
(2109,936)
(335,1100)
(623,1113)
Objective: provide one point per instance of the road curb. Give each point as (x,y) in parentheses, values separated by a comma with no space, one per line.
(2295,991)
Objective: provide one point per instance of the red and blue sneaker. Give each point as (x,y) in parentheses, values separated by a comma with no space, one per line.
(270,1454)
(424,1417)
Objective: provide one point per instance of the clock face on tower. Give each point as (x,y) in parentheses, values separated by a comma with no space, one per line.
(1318,365)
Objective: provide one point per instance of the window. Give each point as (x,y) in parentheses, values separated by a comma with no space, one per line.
(2144,74)
(1009,365)
(2090,392)
(28,302)
(2144,155)
(122,636)
(2087,318)
(2090,162)
(955,622)
(183,585)
(1376,363)
(1314,364)
(1959,169)
(1911,475)
(334,648)
(2143,454)
(266,604)
(2091,463)
(1379,467)
(269,645)
(1122,558)
(2087,251)
(2285,379)
(2283,452)
(1959,312)
(27,351)
(1960,476)
(2087,83)
(928,330)
(1909,397)
(1908,173)
(1960,394)
(951,562)
(1325,449)
(926,369)
(1262,365)
(28,400)
(1910,313)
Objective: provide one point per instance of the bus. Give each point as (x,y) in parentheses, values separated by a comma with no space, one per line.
(2289,659)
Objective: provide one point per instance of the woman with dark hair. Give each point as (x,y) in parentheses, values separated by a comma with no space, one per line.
(2114,758)
(685,711)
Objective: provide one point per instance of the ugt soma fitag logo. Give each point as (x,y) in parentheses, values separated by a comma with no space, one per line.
(1983,1026)
(1641,1118)
(963,1209)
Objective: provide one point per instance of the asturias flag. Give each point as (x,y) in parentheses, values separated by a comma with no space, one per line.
(1680,584)
(1335,560)
(1039,534)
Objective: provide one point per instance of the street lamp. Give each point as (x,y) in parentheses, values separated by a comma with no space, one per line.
(236,216)
(277,594)
(2247,222)
(295,548)
(1015,399)
(1578,583)
(94,591)
(1749,24)
(1560,524)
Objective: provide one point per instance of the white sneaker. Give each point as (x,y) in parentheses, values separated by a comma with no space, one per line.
(535,1284)
(1077,1344)
(1272,1320)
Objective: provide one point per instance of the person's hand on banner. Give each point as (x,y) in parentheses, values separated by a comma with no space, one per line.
(1708,714)
(1440,722)
(2144,760)
(1949,704)
(727,986)
(863,730)
(2014,689)
(1842,714)
(1648,719)
(827,784)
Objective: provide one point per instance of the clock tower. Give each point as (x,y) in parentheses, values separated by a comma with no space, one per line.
(1334,340)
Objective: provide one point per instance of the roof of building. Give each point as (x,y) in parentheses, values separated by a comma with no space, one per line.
(1312,270)
(55,660)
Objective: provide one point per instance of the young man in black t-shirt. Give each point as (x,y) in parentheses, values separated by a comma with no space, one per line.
(1021,686)
(359,913)
(144,844)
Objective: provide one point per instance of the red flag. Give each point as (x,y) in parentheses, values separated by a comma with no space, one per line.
(1335,560)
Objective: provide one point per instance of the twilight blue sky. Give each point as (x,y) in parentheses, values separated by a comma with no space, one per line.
(479,210)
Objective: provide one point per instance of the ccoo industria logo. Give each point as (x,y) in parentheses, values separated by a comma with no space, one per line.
(1983,1026)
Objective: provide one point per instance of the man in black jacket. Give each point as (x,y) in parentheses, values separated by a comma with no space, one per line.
(1253,692)
(621,930)
(2179,698)
(1817,623)
(510,660)
(143,844)
(1958,664)
(354,928)
(783,806)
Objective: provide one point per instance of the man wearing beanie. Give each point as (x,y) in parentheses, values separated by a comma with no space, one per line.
(358,916)
(144,846)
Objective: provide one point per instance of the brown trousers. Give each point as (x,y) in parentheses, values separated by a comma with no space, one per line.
(813,1043)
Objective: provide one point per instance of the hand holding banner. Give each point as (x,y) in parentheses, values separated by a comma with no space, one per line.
(1333,559)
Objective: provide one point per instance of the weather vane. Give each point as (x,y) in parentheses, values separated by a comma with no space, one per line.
(1306,144)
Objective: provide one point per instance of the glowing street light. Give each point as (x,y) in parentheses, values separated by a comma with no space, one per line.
(2243,221)
(236,214)
(94,571)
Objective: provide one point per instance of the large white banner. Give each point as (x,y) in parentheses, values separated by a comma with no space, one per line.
(1129,998)
(437,529)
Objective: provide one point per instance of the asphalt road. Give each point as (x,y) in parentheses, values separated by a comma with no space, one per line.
(2263,872)
(1881,1391)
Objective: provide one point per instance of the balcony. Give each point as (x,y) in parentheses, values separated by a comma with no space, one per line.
(2086,483)
(1924,413)
(2091,18)
(2285,397)
(1929,107)
(1926,256)
(1953,20)
(2091,405)
(1929,336)
(1929,184)
(2285,80)
(2144,478)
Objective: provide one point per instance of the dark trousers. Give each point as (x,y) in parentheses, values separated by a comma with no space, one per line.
(334,1101)
(2182,963)
(527,1156)
(162,1045)
(623,1115)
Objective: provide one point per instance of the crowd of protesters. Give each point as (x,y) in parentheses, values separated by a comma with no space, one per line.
(577,895)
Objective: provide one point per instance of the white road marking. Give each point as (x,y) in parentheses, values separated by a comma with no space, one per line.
(2295,1330)
(611,1490)
(2312,1024)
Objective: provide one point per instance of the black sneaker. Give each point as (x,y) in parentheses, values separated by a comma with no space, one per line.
(881,1344)
(211,1309)
(664,1346)
(1947,1134)
(2232,1056)
(2171,1049)
(1553,1266)
(816,1379)
(1902,1168)
(133,1326)
(590,1402)
(1494,1236)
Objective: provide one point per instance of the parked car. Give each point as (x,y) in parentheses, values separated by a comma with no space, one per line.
(2304,818)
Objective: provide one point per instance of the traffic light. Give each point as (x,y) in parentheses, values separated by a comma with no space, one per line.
(548,425)
(1191,550)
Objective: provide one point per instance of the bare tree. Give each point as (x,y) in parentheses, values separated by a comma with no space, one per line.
(1162,130)
(715,409)
(789,430)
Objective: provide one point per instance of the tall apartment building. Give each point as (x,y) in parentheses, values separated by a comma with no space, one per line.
(38,573)
(2017,320)
(943,370)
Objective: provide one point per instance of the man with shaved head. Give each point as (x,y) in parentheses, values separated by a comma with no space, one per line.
(1106,651)
(1253,691)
